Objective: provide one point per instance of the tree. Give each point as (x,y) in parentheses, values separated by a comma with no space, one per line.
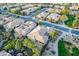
(70,20)
(1,27)
(75,23)
(14,11)
(40,22)
(36,52)
(52,11)
(23,13)
(7,45)
(28,52)
(18,45)
(62,17)
(5,35)
(28,43)
(75,51)
(53,35)
(65,11)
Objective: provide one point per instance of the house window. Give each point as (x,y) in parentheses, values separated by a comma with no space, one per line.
(41,42)
(36,41)
(53,52)
(23,27)
(42,17)
(46,11)
(4,20)
(46,34)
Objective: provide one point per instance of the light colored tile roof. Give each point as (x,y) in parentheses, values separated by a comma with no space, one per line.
(39,34)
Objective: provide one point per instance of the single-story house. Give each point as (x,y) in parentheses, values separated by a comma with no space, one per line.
(39,34)
(11,25)
(24,28)
(53,17)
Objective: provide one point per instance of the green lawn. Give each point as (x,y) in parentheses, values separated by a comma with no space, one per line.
(75,51)
(70,20)
(62,51)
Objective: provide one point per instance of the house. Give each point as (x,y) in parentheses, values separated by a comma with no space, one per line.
(29,10)
(56,6)
(74,7)
(4,53)
(39,35)
(54,17)
(71,38)
(11,25)
(77,7)
(44,14)
(24,29)
(74,12)
(41,16)
(5,20)
(27,6)
(58,10)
